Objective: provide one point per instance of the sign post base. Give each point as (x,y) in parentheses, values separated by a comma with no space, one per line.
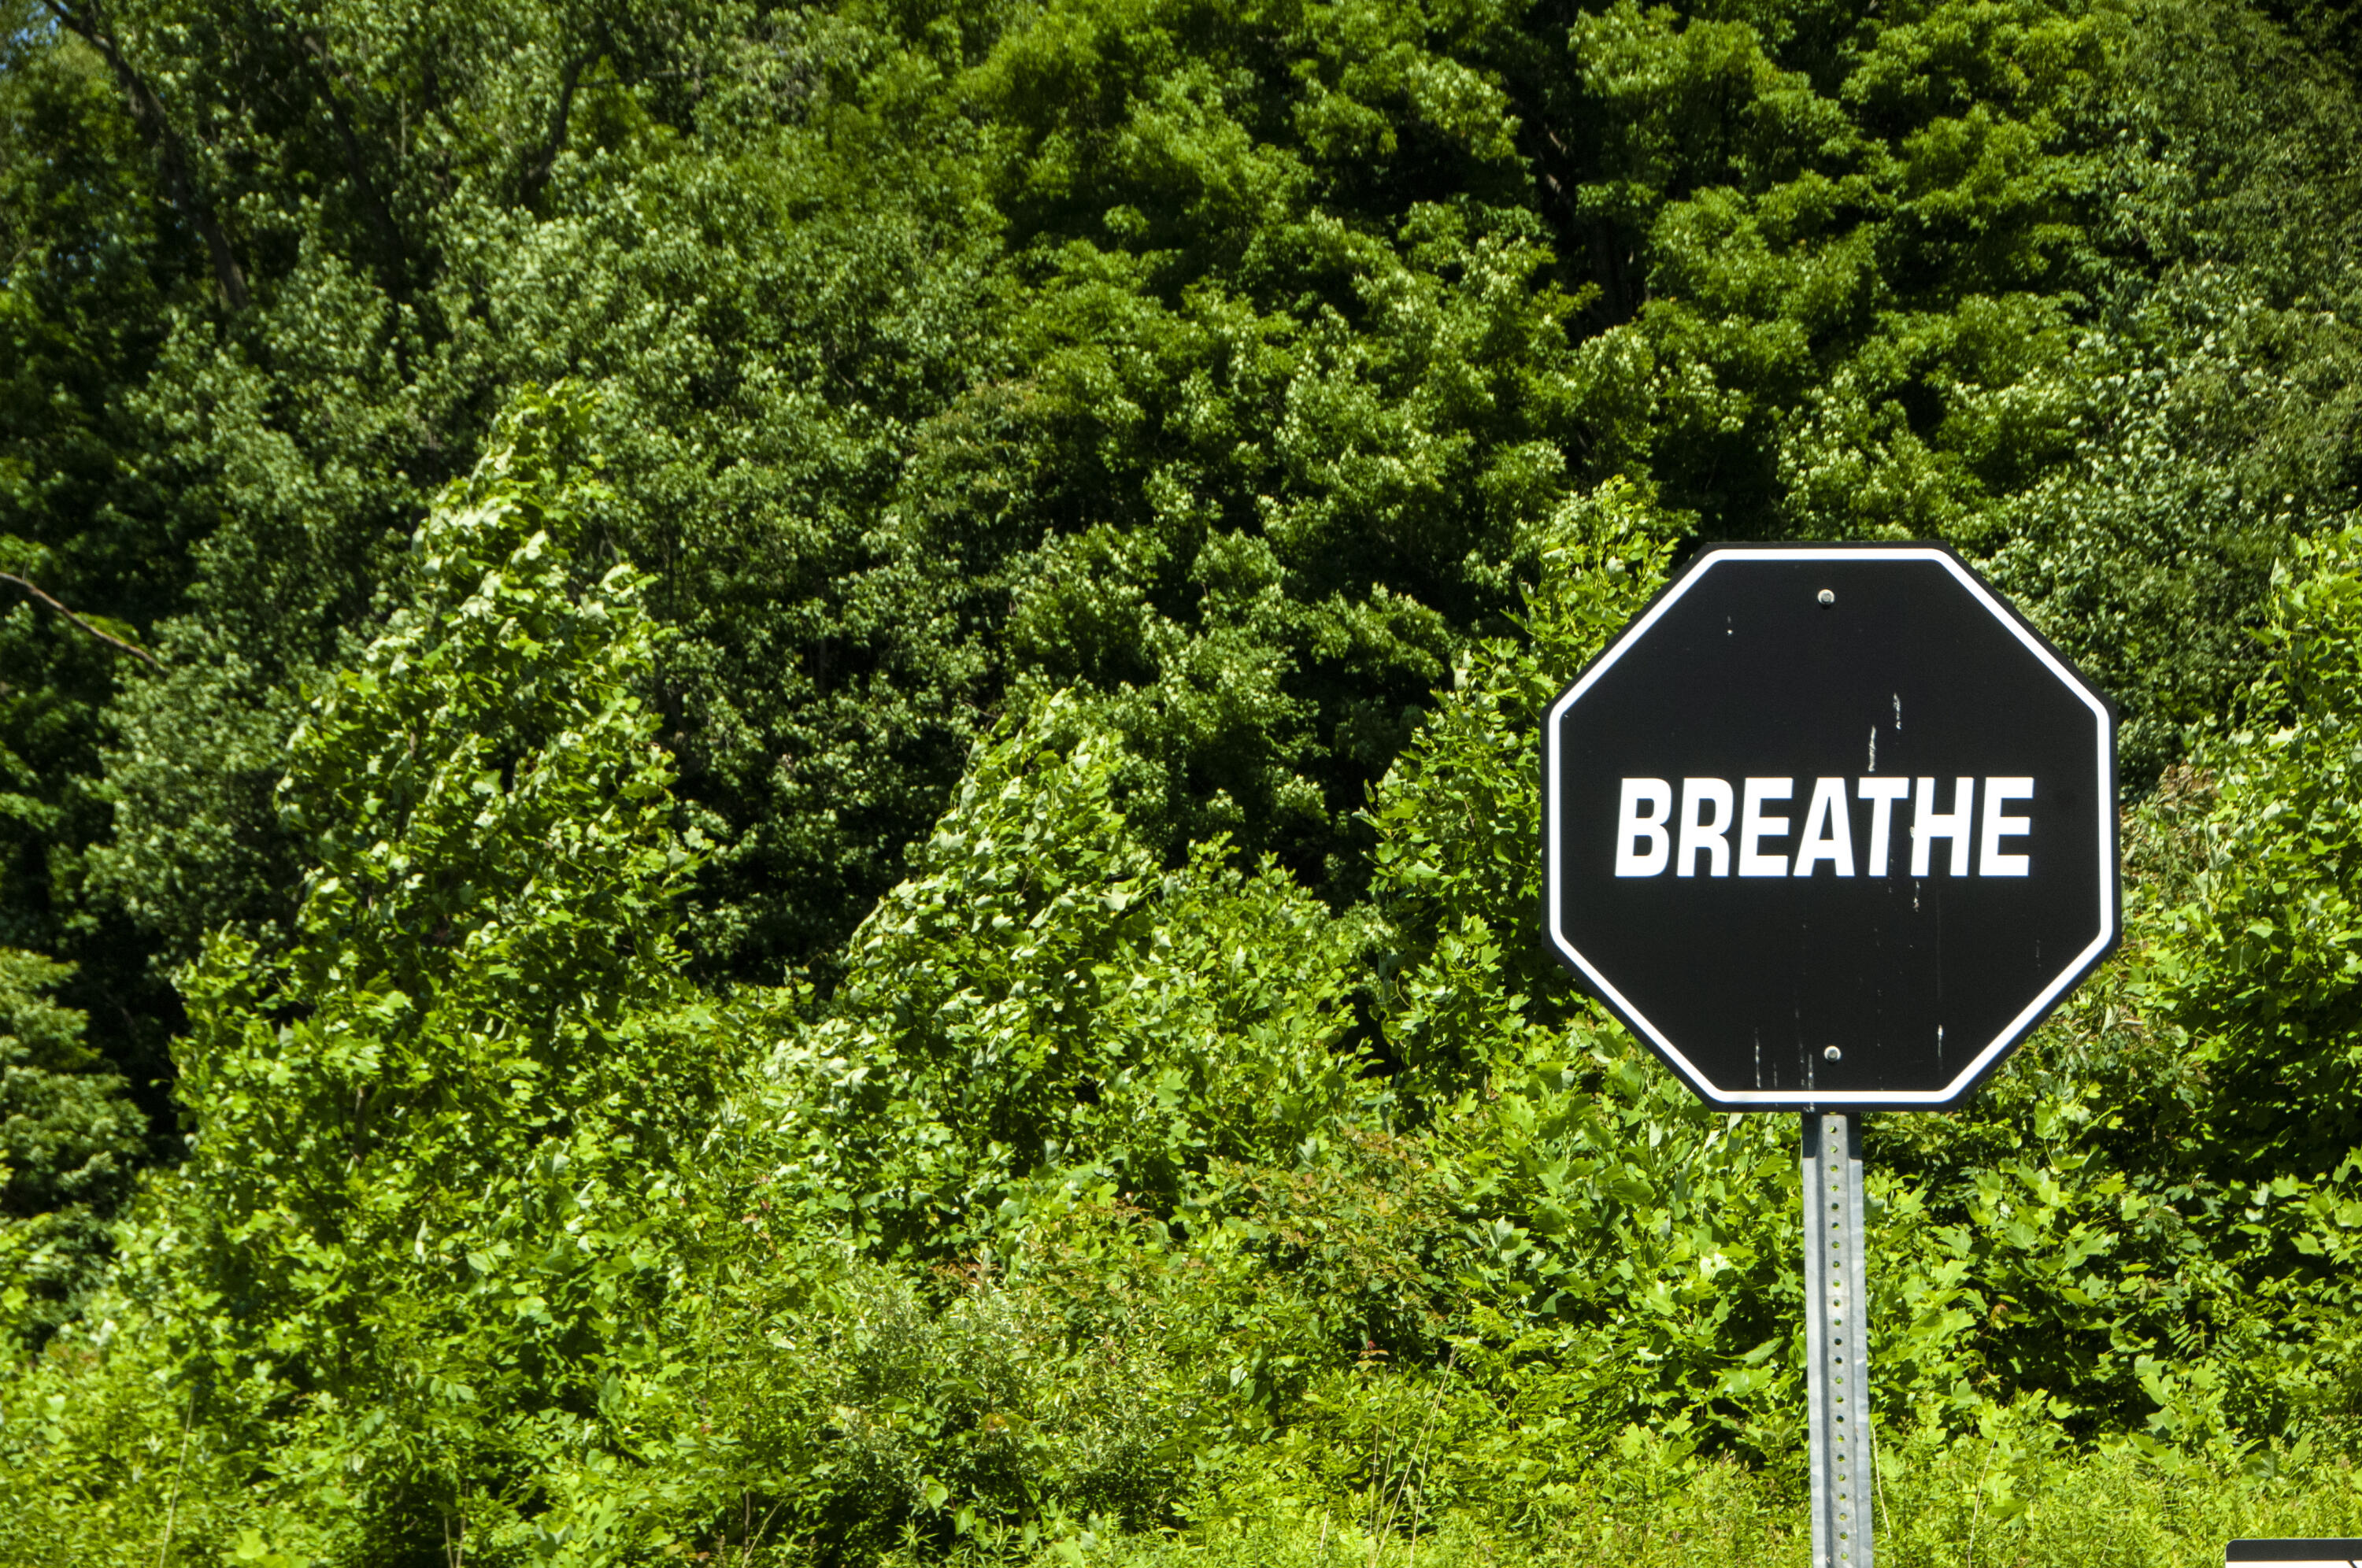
(1837,1340)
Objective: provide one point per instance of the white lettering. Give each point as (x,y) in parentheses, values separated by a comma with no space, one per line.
(1828,830)
(1928,825)
(1697,833)
(1881,794)
(1633,828)
(1991,861)
(1754,827)
(1645,840)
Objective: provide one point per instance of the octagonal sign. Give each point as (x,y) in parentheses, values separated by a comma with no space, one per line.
(1830,827)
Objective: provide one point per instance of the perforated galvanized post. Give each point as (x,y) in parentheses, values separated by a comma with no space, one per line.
(1836,1341)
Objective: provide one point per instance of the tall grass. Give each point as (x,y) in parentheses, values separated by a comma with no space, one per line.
(2106,1511)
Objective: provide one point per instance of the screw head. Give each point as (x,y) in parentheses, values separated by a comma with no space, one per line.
(1828,596)
(1832,1052)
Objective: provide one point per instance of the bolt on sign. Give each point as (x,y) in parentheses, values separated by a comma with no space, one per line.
(1830,828)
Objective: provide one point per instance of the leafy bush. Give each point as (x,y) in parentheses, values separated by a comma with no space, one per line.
(2269,969)
(1045,1005)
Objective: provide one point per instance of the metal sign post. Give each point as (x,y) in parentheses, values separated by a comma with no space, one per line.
(1837,1375)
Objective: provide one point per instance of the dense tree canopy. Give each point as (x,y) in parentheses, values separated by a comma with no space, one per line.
(767,768)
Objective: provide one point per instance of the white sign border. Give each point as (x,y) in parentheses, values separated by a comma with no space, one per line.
(2103,788)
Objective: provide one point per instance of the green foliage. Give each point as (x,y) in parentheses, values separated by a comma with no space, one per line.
(465,1094)
(1044,1006)
(1458,816)
(68,1142)
(1224,369)
(1936,1509)
(1847,274)
(478,1242)
(90,273)
(2213,420)
(2268,964)
(1053,528)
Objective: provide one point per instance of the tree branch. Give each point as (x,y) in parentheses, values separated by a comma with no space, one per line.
(134,649)
(537,174)
(380,215)
(89,23)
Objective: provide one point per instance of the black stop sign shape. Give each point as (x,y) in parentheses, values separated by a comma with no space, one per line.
(1830,827)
